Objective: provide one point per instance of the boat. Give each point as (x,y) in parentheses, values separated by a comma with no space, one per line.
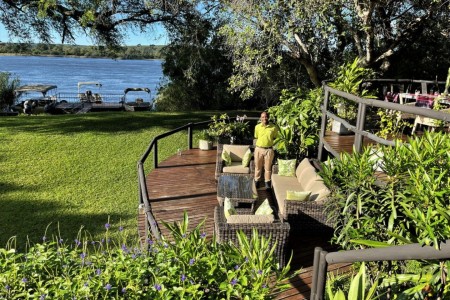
(138,104)
(46,94)
(90,99)
(37,97)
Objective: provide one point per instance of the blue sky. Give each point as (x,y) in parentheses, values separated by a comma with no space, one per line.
(155,37)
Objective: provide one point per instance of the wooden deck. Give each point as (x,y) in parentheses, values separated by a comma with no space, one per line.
(186,183)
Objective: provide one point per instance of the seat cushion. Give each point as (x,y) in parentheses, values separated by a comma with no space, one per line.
(302,167)
(281,184)
(237,152)
(248,219)
(236,167)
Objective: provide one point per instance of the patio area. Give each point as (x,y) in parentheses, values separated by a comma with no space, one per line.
(186,182)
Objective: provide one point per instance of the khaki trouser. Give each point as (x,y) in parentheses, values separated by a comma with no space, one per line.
(263,158)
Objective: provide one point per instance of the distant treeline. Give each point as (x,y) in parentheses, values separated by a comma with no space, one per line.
(125,52)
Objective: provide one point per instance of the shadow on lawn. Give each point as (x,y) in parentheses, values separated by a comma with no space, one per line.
(116,122)
(29,219)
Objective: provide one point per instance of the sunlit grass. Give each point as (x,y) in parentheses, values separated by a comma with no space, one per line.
(77,170)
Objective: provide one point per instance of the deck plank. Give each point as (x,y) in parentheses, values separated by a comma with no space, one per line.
(187,183)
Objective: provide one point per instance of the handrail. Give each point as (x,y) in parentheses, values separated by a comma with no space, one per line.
(405,252)
(358,129)
(142,184)
(394,253)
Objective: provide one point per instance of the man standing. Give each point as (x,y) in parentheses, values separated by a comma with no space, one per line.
(265,133)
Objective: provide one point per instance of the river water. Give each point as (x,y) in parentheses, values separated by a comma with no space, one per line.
(65,72)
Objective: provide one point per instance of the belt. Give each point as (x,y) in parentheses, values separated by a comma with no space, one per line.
(264,147)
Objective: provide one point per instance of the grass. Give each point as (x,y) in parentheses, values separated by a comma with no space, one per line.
(69,171)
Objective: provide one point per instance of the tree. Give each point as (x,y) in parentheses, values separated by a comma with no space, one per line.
(320,35)
(195,64)
(105,21)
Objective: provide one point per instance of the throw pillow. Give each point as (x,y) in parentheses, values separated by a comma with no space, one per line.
(286,167)
(264,209)
(226,157)
(228,208)
(299,196)
(246,159)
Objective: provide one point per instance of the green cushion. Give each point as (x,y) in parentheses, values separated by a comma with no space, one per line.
(247,157)
(286,167)
(299,196)
(226,157)
(264,209)
(228,208)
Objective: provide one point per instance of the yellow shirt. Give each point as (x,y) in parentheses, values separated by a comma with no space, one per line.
(265,135)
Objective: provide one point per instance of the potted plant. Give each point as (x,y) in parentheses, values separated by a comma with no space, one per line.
(205,140)
(227,131)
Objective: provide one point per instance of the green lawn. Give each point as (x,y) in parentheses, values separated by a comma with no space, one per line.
(77,170)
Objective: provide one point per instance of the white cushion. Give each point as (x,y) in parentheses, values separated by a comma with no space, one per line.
(237,152)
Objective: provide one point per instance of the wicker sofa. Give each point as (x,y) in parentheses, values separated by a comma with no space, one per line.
(237,152)
(278,231)
(305,216)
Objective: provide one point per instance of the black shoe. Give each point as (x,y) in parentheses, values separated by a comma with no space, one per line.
(257,184)
(267,184)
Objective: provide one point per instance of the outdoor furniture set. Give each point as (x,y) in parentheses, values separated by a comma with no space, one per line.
(420,100)
(289,215)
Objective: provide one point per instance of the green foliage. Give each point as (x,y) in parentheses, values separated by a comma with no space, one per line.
(188,266)
(125,52)
(391,124)
(360,288)
(7,86)
(222,128)
(298,119)
(205,135)
(349,78)
(196,65)
(407,205)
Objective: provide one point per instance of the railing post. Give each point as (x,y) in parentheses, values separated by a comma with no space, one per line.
(155,155)
(360,123)
(190,136)
(321,275)
(323,125)
(317,252)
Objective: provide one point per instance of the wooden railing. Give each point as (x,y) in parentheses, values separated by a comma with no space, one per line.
(394,253)
(359,127)
(144,202)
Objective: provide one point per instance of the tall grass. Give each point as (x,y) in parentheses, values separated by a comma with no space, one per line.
(77,170)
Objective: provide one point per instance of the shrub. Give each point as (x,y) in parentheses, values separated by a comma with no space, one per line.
(187,267)
(7,87)
(298,119)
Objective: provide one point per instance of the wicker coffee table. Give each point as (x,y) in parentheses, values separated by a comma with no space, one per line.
(239,188)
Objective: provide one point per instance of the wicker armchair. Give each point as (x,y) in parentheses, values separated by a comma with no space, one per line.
(220,162)
(278,231)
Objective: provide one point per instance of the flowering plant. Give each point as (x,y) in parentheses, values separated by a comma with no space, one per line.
(188,266)
(222,127)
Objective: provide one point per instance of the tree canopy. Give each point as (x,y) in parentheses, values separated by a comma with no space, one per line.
(321,34)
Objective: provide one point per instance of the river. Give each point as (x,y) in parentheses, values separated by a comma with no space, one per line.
(65,72)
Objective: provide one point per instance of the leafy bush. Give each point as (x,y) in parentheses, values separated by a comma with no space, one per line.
(298,119)
(187,267)
(394,195)
(407,204)
(223,128)
(349,79)
(7,87)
